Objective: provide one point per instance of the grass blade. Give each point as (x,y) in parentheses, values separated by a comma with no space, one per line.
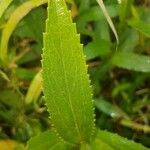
(14,19)
(106,14)
(3,6)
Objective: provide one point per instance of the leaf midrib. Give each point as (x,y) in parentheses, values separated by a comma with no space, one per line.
(68,92)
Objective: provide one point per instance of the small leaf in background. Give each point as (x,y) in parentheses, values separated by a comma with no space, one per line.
(140,26)
(10,98)
(120,88)
(129,40)
(102,31)
(107,108)
(84,5)
(24,74)
(46,141)
(124,13)
(131,61)
(115,142)
(96,49)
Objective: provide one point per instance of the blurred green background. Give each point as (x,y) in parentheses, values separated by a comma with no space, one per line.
(120,73)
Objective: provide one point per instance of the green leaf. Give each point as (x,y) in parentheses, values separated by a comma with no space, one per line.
(47,141)
(102,31)
(96,49)
(10,98)
(24,74)
(129,41)
(65,80)
(84,5)
(3,6)
(132,61)
(107,108)
(110,141)
(14,19)
(100,145)
(124,13)
(140,26)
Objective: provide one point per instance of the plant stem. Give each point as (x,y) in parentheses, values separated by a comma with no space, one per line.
(136,126)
